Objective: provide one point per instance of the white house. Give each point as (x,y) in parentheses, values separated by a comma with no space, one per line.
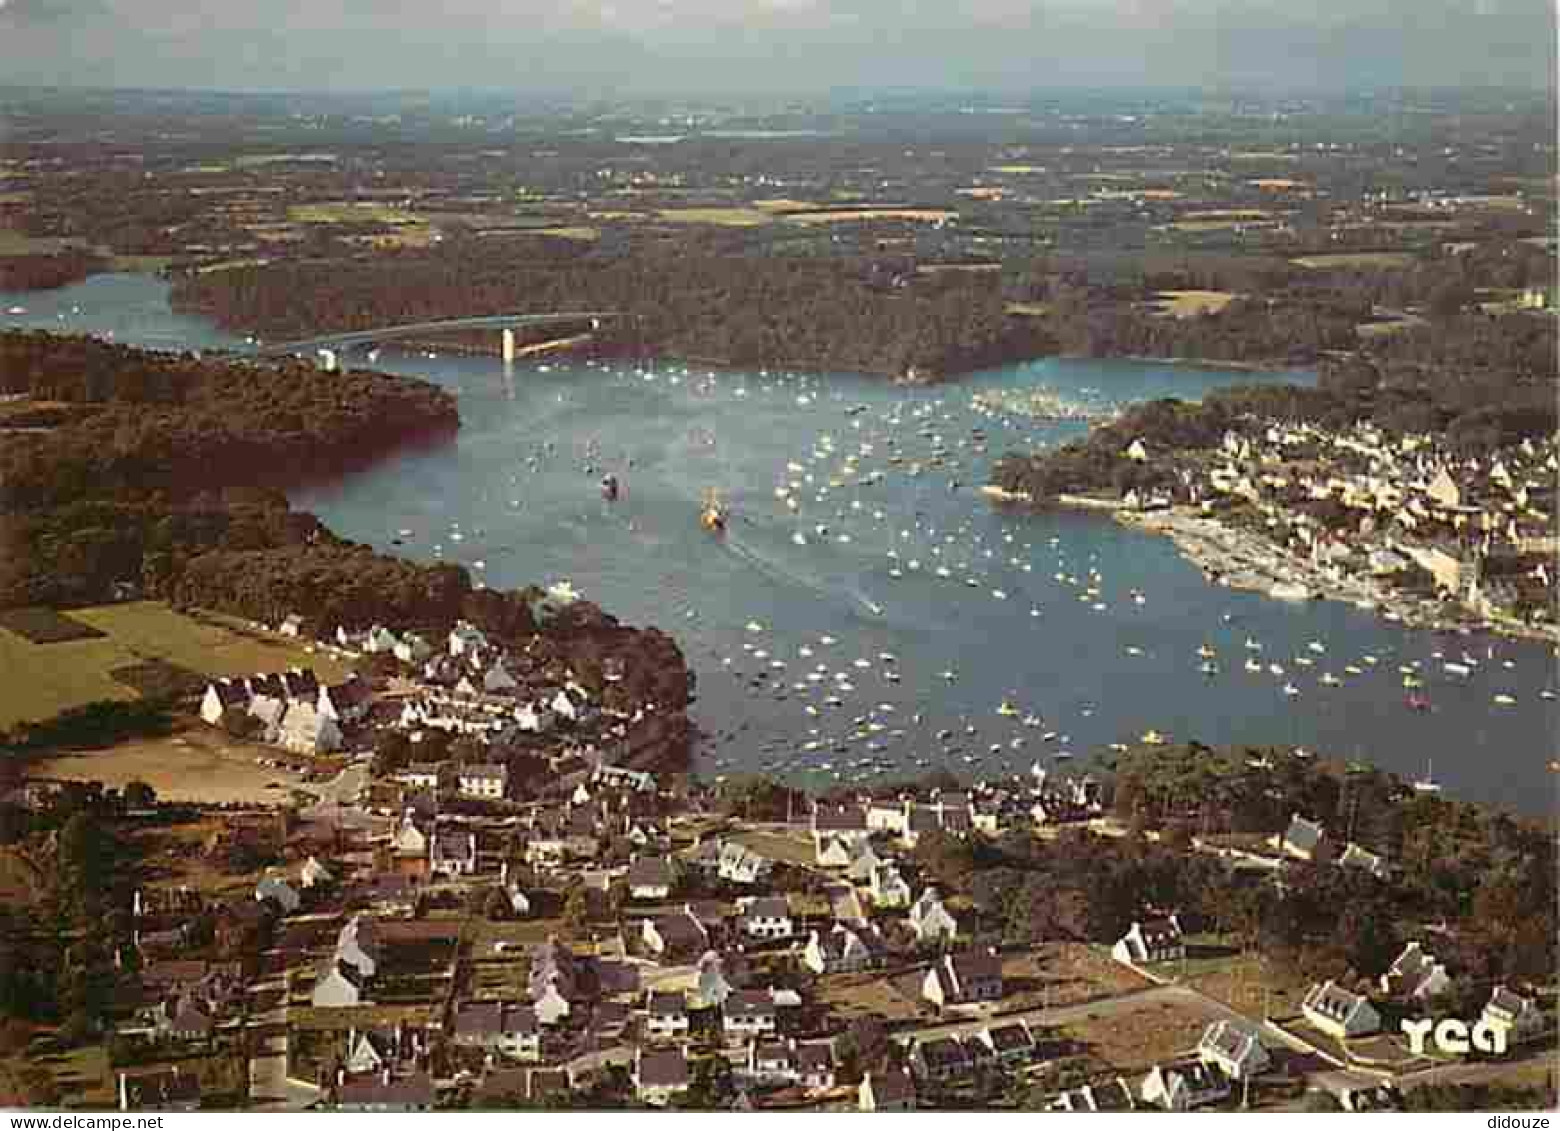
(886,817)
(739,865)
(666,1015)
(339,986)
(1339,1013)
(465,638)
(1183,1085)
(768,917)
(864,858)
(379,639)
(564,707)
(1156,940)
(833,853)
(488,781)
(452,855)
(959,979)
(420,775)
(220,695)
(357,945)
(841,950)
(886,1091)
(305,730)
(277,889)
(1233,1049)
(505,1027)
(660,1074)
(528,718)
(409,840)
(1516,1016)
(749,1013)
(1008,1044)
(1303,839)
(346,702)
(888,888)
(1415,974)
(412,649)
(713,986)
(314,874)
(497,680)
(930,920)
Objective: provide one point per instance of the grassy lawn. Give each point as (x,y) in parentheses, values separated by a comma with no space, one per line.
(198,764)
(38,625)
(15,243)
(787,849)
(836,215)
(345,212)
(1359,259)
(1189,304)
(47,678)
(1246,983)
(866,994)
(736,217)
(1134,1040)
(363,1016)
(84,1077)
(1059,974)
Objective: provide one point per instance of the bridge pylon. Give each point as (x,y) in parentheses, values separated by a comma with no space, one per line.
(509,344)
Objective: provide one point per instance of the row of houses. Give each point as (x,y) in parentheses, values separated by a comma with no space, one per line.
(295,710)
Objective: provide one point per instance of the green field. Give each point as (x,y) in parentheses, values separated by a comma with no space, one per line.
(15,243)
(348,213)
(44,679)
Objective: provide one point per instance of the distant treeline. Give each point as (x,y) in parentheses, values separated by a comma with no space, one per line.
(1476,409)
(47,272)
(690,300)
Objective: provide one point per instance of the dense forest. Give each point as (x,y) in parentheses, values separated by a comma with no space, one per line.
(47,272)
(153,422)
(154,487)
(690,300)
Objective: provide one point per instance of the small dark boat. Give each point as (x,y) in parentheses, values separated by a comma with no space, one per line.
(609,488)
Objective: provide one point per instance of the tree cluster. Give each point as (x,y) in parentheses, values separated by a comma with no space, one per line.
(690,300)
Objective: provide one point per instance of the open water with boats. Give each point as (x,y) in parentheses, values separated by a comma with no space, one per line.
(867,613)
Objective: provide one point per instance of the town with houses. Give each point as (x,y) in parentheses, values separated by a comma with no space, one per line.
(437,934)
(1399,525)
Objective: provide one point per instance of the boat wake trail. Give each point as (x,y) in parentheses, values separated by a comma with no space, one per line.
(858,602)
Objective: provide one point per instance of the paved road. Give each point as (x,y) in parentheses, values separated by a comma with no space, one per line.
(269,1086)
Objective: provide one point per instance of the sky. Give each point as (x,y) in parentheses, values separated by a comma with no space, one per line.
(784,47)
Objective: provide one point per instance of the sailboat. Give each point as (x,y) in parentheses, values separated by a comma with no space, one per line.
(1428,784)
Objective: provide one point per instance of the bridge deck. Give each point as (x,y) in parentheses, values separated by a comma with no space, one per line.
(413,329)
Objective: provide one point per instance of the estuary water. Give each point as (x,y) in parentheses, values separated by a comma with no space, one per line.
(868,613)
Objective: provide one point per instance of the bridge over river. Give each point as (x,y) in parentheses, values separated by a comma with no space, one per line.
(331,344)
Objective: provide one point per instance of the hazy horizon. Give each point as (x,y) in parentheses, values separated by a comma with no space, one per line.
(781,48)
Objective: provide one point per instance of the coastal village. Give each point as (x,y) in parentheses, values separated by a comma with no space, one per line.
(436,930)
(1403,526)
(288,824)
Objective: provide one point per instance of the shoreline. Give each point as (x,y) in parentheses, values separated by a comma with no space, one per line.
(1236,560)
(1270,366)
